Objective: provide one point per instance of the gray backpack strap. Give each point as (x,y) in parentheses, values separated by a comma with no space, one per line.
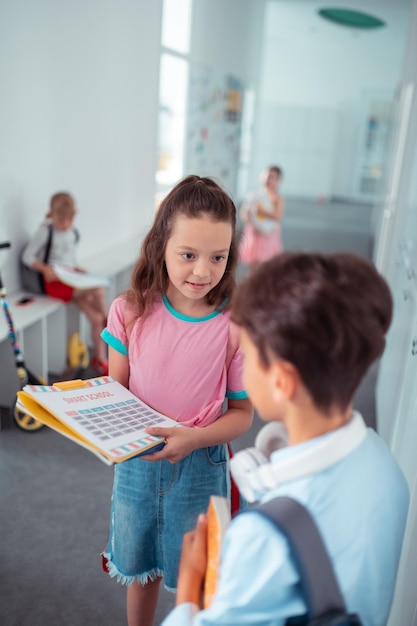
(31,279)
(48,244)
(319,584)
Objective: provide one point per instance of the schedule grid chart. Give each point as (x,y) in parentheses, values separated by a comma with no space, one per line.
(112,420)
(103,413)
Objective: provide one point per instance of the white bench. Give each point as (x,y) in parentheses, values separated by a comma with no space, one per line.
(41,324)
(36,326)
(114,263)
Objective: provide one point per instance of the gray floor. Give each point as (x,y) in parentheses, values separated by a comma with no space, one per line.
(54,496)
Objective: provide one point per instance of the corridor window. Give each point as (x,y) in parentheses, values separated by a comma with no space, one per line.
(173,92)
(173,88)
(176,25)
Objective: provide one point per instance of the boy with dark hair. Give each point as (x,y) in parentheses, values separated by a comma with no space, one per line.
(311,324)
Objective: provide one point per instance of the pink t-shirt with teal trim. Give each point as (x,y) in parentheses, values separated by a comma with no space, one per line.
(181,366)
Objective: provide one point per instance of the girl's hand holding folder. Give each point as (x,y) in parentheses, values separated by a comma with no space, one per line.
(180,442)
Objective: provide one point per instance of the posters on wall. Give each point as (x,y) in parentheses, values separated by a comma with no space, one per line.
(212,143)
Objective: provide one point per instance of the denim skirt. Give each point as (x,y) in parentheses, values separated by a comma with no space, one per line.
(153,505)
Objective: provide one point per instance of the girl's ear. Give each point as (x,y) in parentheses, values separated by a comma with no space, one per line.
(286,380)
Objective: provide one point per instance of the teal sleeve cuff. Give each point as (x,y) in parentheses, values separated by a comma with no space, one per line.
(236,395)
(113,342)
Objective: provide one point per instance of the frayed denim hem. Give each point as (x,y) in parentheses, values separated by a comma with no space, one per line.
(142,579)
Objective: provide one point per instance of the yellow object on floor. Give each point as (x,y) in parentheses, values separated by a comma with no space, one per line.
(78,355)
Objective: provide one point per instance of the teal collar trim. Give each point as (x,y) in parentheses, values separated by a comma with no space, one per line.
(186,318)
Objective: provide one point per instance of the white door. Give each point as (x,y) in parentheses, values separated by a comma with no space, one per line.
(396,392)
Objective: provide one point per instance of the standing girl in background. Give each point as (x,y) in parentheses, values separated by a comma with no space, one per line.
(171,343)
(262,213)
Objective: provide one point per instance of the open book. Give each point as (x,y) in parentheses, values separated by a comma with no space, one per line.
(77,279)
(218,518)
(99,414)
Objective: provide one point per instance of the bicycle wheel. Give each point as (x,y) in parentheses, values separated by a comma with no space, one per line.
(21,418)
(26,422)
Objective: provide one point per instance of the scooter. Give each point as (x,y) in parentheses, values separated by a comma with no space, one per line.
(25,376)
(78,358)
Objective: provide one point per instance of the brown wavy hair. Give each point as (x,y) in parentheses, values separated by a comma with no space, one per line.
(325,314)
(192,197)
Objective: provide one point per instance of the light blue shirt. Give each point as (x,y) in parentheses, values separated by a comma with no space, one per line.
(360,504)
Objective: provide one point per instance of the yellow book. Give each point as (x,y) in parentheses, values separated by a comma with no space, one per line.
(218,518)
(98,414)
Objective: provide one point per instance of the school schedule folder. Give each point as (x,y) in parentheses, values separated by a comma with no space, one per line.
(99,414)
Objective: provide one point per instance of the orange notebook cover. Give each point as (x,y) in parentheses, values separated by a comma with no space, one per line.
(218,518)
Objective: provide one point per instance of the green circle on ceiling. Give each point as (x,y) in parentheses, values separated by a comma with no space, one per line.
(347,17)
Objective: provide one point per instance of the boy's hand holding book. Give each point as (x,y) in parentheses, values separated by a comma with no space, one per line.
(200,556)
(193,564)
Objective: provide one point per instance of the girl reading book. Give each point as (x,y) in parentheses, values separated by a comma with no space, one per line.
(172,344)
(55,242)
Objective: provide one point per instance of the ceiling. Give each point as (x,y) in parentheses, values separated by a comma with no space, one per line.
(302,19)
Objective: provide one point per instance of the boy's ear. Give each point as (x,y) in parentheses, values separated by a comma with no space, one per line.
(286,379)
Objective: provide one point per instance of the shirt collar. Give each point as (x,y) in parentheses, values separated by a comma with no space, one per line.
(255,475)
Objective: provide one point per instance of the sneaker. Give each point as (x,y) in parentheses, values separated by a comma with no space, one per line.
(101,367)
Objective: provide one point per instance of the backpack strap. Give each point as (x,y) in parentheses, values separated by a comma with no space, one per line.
(320,587)
(48,244)
(49,241)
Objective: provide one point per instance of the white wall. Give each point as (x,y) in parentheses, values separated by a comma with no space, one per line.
(321,71)
(78,112)
(225,36)
(79,108)
(79,105)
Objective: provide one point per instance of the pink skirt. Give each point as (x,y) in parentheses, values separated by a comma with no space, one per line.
(256,247)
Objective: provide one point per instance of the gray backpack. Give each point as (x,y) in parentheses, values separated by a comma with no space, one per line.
(31,279)
(326,606)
